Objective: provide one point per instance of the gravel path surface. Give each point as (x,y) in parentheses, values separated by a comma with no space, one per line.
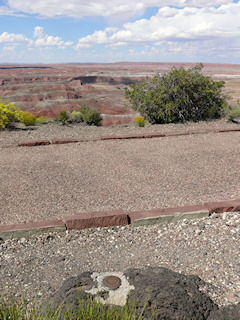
(50,182)
(57,131)
(53,181)
(207,247)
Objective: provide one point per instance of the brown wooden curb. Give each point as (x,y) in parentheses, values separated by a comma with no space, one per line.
(131,136)
(118,218)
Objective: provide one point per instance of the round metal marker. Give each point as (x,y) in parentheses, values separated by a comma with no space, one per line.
(112,282)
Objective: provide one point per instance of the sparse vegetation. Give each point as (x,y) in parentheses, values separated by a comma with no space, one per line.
(10,115)
(89,309)
(140,121)
(43,119)
(64,116)
(27,118)
(178,96)
(232,113)
(76,117)
(91,117)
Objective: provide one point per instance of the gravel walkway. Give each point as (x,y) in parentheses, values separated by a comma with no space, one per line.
(57,131)
(51,182)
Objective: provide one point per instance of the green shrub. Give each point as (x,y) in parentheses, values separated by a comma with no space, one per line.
(43,119)
(91,116)
(84,114)
(178,96)
(76,117)
(62,117)
(27,118)
(9,114)
(232,113)
(140,121)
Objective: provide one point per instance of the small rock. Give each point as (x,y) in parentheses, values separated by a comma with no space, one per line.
(224,215)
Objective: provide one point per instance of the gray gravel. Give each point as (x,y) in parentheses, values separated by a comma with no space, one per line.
(51,182)
(57,131)
(206,247)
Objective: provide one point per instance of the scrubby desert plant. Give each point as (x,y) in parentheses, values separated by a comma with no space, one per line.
(43,119)
(63,117)
(86,115)
(232,113)
(83,115)
(91,116)
(140,121)
(76,117)
(27,118)
(9,114)
(178,96)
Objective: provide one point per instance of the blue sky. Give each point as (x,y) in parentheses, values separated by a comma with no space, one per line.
(50,31)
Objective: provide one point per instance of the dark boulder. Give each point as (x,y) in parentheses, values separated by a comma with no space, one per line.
(231,312)
(167,294)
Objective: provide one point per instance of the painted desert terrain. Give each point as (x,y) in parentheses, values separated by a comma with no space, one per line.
(45,90)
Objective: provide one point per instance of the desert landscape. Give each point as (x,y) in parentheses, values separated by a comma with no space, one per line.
(143,170)
(45,90)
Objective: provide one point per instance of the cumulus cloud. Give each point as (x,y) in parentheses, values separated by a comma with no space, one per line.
(98,37)
(14,39)
(105,8)
(44,40)
(5,11)
(173,24)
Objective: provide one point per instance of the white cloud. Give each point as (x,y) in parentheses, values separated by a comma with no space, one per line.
(44,40)
(98,37)
(105,8)
(6,11)
(180,28)
(171,24)
(14,39)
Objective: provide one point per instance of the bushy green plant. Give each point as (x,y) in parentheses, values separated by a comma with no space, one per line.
(232,113)
(9,114)
(64,116)
(84,114)
(27,118)
(178,96)
(140,121)
(43,119)
(91,116)
(76,117)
